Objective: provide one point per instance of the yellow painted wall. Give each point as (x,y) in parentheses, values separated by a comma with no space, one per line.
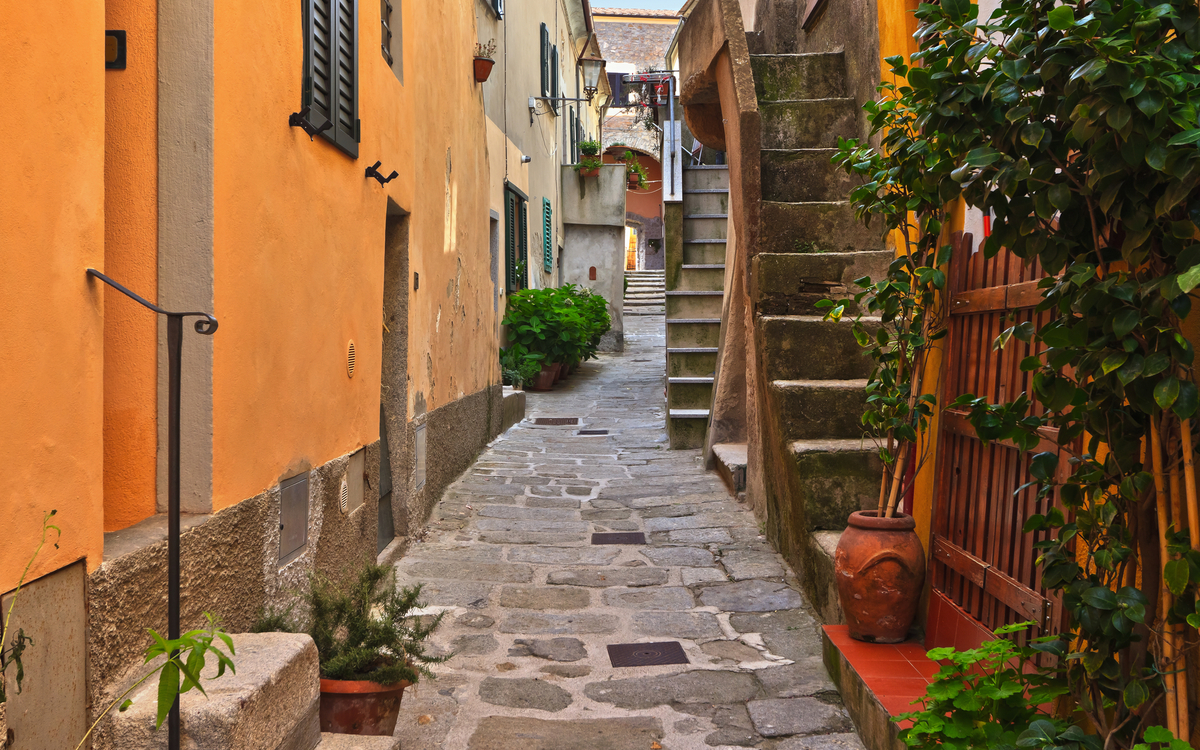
(131,257)
(51,230)
(299,235)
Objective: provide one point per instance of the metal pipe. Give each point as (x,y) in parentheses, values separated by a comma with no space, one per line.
(206,327)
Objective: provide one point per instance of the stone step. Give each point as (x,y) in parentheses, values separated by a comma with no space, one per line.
(693,332)
(683,304)
(791,283)
(271,702)
(687,428)
(807,347)
(706,202)
(648,310)
(806,76)
(821,227)
(706,178)
(807,123)
(819,409)
(707,277)
(648,273)
(331,741)
(803,174)
(691,362)
(834,478)
(731,460)
(817,578)
(703,252)
(689,393)
(705,228)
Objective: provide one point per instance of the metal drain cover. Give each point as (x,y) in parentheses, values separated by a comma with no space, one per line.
(619,537)
(556,420)
(593,432)
(646,654)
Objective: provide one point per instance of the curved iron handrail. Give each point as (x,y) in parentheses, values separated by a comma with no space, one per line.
(208,326)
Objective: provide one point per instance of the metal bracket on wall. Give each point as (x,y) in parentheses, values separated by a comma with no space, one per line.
(300,120)
(373,171)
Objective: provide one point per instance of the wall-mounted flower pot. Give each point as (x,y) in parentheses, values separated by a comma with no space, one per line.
(879,566)
(360,707)
(589,172)
(483,68)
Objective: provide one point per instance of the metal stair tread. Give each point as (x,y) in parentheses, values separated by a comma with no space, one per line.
(698,167)
(706,216)
(689,293)
(692,350)
(713,190)
(808,101)
(693,320)
(704,265)
(688,413)
(832,445)
(691,380)
(829,384)
(718,240)
(808,203)
(814,318)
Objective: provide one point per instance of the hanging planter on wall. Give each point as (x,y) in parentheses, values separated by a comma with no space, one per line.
(484,60)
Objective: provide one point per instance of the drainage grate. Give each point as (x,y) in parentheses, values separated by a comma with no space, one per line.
(646,654)
(556,420)
(620,537)
(593,432)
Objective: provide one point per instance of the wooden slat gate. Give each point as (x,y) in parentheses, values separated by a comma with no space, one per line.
(983,567)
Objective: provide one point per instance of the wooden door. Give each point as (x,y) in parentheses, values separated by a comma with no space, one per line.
(982,565)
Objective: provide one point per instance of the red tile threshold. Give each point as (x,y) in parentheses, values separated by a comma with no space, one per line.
(897,674)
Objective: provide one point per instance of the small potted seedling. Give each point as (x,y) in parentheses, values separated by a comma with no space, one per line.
(589,163)
(484,60)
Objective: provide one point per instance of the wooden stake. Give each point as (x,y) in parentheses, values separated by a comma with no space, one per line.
(1189,479)
(897,480)
(1168,651)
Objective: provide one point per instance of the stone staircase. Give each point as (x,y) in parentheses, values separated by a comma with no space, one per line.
(811,248)
(645,294)
(694,292)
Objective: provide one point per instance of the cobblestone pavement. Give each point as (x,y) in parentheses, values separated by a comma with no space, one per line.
(533,604)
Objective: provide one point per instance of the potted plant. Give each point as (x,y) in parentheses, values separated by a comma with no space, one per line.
(619,152)
(588,166)
(484,60)
(635,172)
(370,645)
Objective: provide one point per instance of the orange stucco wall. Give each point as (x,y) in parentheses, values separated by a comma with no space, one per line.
(51,229)
(131,257)
(299,238)
(646,202)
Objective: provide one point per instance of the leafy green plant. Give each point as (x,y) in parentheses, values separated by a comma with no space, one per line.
(634,167)
(562,325)
(986,697)
(589,148)
(588,163)
(519,366)
(10,656)
(366,630)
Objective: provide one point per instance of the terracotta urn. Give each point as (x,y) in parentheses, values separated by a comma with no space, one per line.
(879,566)
(483,68)
(558,371)
(360,707)
(633,182)
(544,381)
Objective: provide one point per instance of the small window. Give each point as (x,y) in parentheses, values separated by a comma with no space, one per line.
(330,86)
(391,21)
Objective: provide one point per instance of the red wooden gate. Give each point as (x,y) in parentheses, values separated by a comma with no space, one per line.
(983,567)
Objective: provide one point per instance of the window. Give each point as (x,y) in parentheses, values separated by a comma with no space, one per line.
(391,18)
(497,7)
(545,61)
(385,20)
(516,240)
(330,85)
(547,236)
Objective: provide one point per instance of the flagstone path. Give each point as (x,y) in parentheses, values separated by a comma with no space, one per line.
(533,604)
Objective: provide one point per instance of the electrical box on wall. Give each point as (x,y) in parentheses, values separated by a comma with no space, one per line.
(419,442)
(352,483)
(293,517)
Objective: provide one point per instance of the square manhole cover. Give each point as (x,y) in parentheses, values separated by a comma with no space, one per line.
(646,654)
(556,420)
(593,432)
(619,537)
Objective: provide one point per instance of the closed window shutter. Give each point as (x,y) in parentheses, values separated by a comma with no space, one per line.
(523,245)
(318,90)
(346,123)
(554,77)
(574,134)
(547,236)
(331,70)
(510,241)
(545,61)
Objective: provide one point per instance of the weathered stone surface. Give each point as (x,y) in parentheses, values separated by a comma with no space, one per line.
(599,555)
(523,692)
(554,649)
(605,515)
(701,686)
(512,524)
(743,565)
(847,741)
(608,577)
(699,536)
(693,576)
(331,741)
(567,670)
(468,571)
(666,598)
(543,624)
(731,651)
(544,597)
(692,557)
(750,596)
(530,514)
(452,593)
(474,645)
(513,733)
(551,502)
(475,620)
(806,677)
(702,521)
(779,717)
(688,625)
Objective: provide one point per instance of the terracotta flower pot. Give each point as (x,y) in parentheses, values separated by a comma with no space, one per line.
(589,172)
(483,68)
(633,182)
(360,707)
(558,371)
(544,380)
(879,565)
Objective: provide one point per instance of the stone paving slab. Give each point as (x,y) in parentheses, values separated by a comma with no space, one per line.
(532,605)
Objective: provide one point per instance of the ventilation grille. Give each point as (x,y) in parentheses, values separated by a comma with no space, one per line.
(646,654)
(344,496)
(350,359)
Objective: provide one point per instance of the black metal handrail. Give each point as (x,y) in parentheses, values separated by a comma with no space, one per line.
(207,327)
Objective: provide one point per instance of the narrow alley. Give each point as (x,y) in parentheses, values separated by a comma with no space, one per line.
(535,604)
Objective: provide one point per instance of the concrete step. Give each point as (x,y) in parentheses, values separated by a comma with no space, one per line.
(806,76)
(819,409)
(705,227)
(706,178)
(689,393)
(693,332)
(706,202)
(697,361)
(825,227)
(655,310)
(647,273)
(271,702)
(731,465)
(687,428)
(834,478)
(803,174)
(791,283)
(703,252)
(682,304)
(807,123)
(706,277)
(807,347)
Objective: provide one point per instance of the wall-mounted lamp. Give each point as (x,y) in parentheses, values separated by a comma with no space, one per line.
(592,68)
(525,158)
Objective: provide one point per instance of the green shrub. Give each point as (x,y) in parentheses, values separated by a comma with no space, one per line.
(588,162)
(549,326)
(589,148)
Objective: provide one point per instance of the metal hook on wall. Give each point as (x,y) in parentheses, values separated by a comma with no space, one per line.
(300,120)
(373,171)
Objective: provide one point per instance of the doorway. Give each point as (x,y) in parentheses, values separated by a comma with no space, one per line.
(393,386)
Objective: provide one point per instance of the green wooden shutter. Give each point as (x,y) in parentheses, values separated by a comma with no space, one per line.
(574,133)
(547,236)
(554,77)
(523,245)
(545,61)
(330,86)
(510,242)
